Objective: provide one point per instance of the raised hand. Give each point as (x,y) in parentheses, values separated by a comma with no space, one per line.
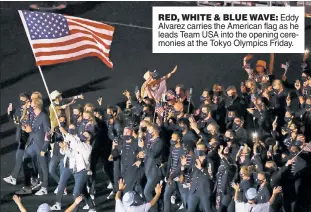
(100,100)
(183,160)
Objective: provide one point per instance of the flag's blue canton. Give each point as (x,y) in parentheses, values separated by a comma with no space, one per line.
(46,25)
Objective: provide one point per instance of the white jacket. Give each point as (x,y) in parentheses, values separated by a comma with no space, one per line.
(78,153)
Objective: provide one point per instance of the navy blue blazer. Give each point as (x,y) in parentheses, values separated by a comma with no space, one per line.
(40,125)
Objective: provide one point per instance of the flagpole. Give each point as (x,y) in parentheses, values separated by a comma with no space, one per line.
(303,149)
(47,90)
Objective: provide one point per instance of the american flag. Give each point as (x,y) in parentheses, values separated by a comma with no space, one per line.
(159,109)
(57,38)
(308,147)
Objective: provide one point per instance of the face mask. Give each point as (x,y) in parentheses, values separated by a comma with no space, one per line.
(85,121)
(293,154)
(226,139)
(203,115)
(71,131)
(202,98)
(270,169)
(126,137)
(287,119)
(182,128)
(83,138)
(109,116)
(276,91)
(172,142)
(235,126)
(232,97)
(230,118)
(308,106)
(177,113)
(260,181)
(304,79)
(270,93)
(144,129)
(22,102)
(62,124)
(217,93)
(200,152)
(75,116)
(298,143)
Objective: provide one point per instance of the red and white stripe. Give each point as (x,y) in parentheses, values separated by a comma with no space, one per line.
(87,38)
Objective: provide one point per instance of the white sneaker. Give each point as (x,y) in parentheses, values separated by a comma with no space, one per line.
(92,210)
(86,207)
(36,186)
(173,200)
(56,191)
(111,195)
(10,180)
(181,206)
(56,207)
(42,191)
(110,186)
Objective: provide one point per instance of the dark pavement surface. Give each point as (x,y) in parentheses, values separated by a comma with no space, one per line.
(131,53)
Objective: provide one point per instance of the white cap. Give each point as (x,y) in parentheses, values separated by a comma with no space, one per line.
(44,208)
(128,199)
(55,94)
(251,193)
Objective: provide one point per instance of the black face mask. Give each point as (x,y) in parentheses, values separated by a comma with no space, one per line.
(109,116)
(287,119)
(203,115)
(144,129)
(235,126)
(202,98)
(308,106)
(182,128)
(22,102)
(270,170)
(172,142)
(230,118)
(126,137)
(226,139)
(231,97)
(71,131)
(75,116)
(304,79)
(200,152)
(217,93)
(293,154)
(62,124)
(85,121)
(276,91)
(259,181)
(83,138)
